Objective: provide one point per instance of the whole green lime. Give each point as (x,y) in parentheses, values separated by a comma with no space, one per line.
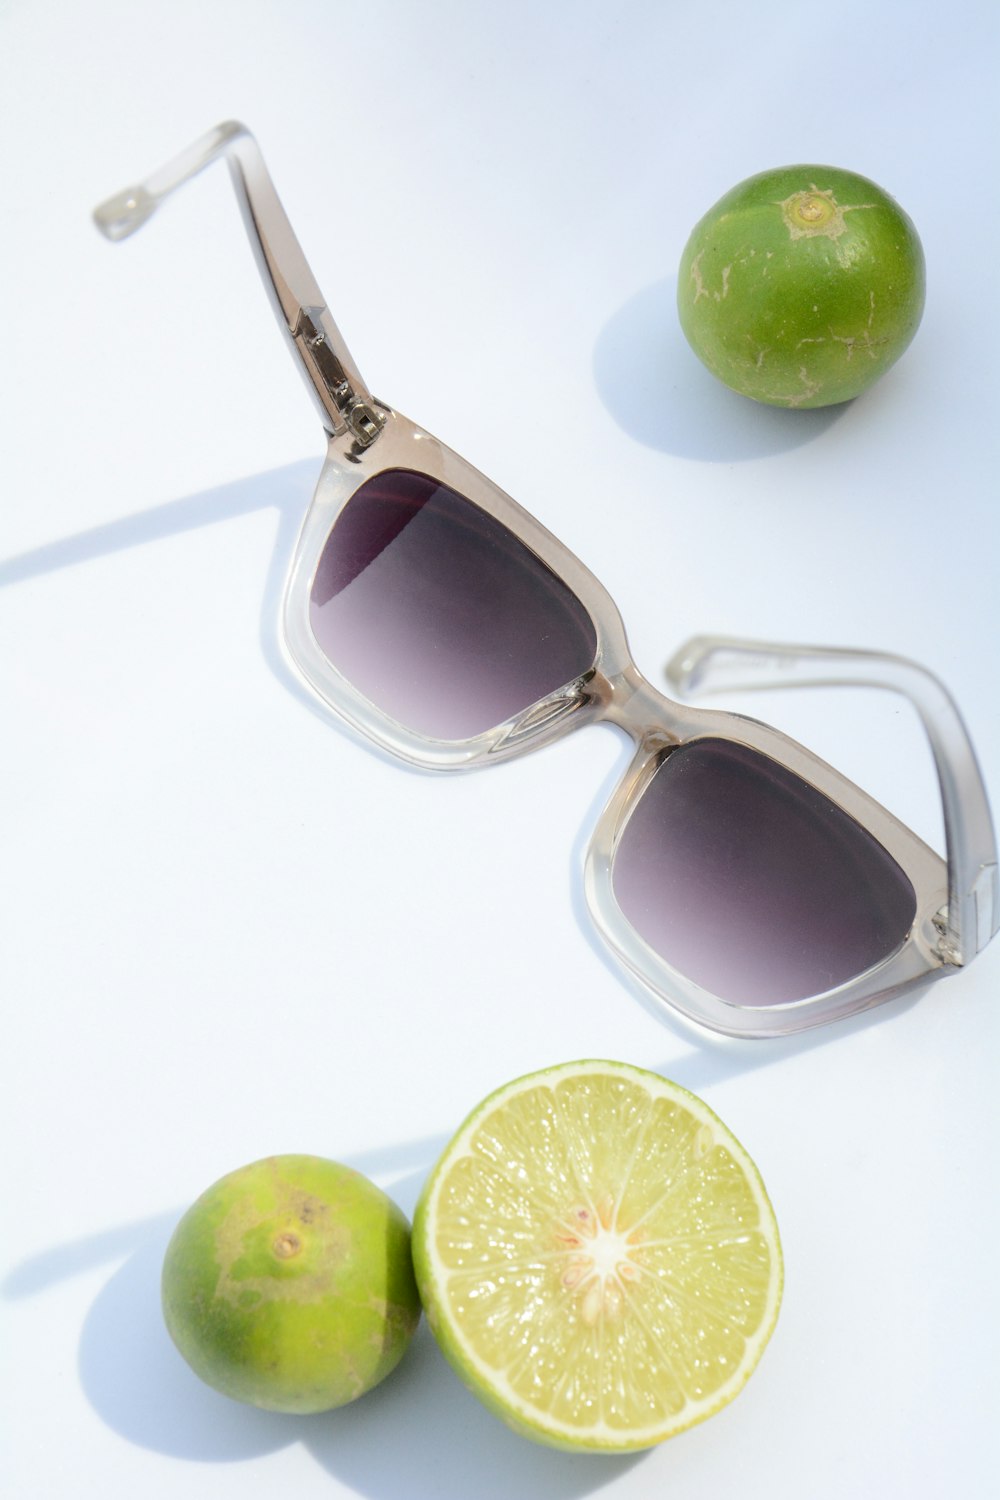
(801,286)
(289,1284)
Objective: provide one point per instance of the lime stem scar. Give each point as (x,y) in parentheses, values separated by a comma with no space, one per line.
(286,1245)
(810,210)
(813,209)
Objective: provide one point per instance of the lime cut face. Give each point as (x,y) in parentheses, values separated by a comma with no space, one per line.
(289,1285)
(598,1258)
(801,286)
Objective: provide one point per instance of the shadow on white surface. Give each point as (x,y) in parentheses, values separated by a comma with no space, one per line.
(60,1262)
(422,1435)
(49,1267)
(418,1434)
(141,1388)
(660,393)
(287,491)
(716,1059)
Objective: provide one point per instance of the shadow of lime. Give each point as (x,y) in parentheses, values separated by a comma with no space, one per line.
(660,393)
(140,1386)
(419,1433)
(423,1435)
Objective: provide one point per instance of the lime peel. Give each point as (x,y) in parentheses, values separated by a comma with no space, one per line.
(289,1285)
(598,1258)
(801,286)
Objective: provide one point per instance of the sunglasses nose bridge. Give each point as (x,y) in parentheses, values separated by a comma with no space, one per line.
(632,702)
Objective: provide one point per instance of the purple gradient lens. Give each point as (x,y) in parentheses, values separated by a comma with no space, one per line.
(750,882)
(438,614)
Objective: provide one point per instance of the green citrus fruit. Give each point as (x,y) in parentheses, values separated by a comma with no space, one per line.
(598,1258)
(289,1284)
(801,286)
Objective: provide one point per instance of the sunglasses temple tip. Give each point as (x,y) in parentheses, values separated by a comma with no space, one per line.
(125,212)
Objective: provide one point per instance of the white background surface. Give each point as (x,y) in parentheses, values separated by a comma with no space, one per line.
(231,930)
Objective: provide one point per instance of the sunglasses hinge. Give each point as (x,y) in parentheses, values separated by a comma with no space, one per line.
(945,948)
(349,411)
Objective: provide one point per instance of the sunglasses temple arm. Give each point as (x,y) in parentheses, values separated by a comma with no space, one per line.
(709,664)
(344,401)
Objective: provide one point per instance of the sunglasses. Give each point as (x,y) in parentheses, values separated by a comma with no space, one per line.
(745,882)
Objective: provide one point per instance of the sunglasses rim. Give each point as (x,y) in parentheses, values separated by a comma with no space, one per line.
(405,446)
(349,412)
(913,960)
(653,720)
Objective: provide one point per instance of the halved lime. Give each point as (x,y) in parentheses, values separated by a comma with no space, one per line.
(597,1257)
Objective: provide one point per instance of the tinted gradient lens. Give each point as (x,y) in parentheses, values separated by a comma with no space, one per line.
(750,882)
(438,614)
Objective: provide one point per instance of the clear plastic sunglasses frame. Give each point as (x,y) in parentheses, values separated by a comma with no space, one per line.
(958,903)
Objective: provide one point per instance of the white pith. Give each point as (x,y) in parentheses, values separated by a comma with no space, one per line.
(592,1256)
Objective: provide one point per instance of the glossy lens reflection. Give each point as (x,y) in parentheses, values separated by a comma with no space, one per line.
(751,883)
(438,614)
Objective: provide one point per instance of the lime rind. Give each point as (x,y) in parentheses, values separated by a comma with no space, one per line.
(564,1358)
(802,286)
(289,1285)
